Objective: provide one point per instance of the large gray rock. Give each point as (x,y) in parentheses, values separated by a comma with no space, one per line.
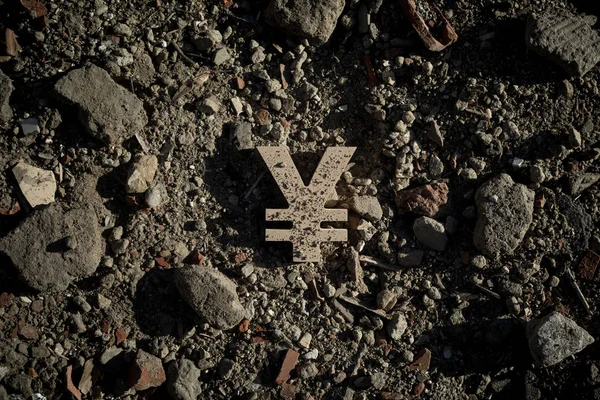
(312,19)
(53,247)
(431,233)
(554,338)
(505,210)
(6,89)
(106,109)
(565,38)
(211,294)
(182,380)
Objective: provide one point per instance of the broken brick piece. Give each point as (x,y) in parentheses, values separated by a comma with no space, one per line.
(5,299)
(289,363)
(120,336)
(589,265)
(28,331)
(418,388)
(146,371)
(421,361)
(244,325)
(70,386)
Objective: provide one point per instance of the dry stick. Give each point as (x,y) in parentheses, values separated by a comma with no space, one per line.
(373,261)
(577,290)
(487,291)
(356,303)
(185,57)
(254,185)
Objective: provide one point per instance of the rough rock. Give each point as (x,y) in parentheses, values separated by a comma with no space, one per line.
(107,110)
(6,88)
(424,200)
(242,135)
(146,371)
(581,182)
(211,295)
(367,207)
(410,258)
(431,233)
(397,326)
(311,19)
(555,337)
(37,185)
(141,173)
(564,38)
(505,211)
(182,382)
(53,247)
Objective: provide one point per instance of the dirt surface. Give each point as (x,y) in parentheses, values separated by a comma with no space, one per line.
(473,201)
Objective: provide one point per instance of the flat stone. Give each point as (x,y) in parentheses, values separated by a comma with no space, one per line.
(141,173)
(367,207)
(565,38)
(222,56)
(581,182)
(6,88)
(431,233)
(182,380)
(37,185)
(311,19)
(38,247)
(505,210)
(107,110)
(211,295)
(242,135)
(555,337)
(410,258)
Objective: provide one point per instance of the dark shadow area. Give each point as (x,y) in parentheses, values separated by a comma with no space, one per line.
(158,308)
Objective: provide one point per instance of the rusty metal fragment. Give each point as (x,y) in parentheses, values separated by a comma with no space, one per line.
(449,36)
(306,208)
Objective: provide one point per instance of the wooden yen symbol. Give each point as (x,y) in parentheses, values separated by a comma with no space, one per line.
(306,208)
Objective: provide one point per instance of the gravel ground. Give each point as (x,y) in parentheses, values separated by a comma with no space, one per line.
(132,254)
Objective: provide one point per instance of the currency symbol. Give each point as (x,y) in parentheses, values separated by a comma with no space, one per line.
(306,203)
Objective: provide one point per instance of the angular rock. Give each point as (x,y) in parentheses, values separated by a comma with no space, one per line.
(425,200)
(289,363)
(182,380)
(410,258)
(555,337)
(211,295)
(242,135)
(311,19)
(37,185)
(564,38)
(53,247)
(505,211)
(367,207)
(146,371)
(431,233)
(107,110)
(397,326)
(6,88)
(141,173)
(581,182)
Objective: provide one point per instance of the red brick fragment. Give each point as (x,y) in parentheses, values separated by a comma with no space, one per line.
(390,396)
(424,200)
(120,336)
(28,331)
(288,391)
(146,371)
(289,363)
(244,325)
(70,386)
(418,388)
(240,257)
(239,83)
(162,262)
(588,266)
(421,361)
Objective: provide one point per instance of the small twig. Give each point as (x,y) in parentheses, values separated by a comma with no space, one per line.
(373,261)
(577,290)
(185,57)
(356,303)
(249,192)
(487,291)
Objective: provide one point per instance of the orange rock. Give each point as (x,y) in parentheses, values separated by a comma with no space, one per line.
(120,336)
(70,386)
(418,388)
(424,200)
(146,371)
(421,361)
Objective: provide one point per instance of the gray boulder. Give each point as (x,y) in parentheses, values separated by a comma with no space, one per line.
(211,294)
(53,247)
(311,19)
(505,210)
(6,89)
(555,337)
(106,109)
(182,380)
